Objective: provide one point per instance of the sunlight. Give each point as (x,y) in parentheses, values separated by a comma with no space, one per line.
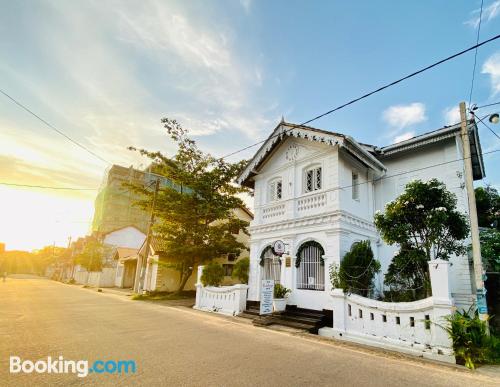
(31,218)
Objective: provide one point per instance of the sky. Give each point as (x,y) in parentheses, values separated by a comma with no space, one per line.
(106,72)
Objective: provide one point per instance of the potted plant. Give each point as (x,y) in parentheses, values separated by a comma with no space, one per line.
(280,295)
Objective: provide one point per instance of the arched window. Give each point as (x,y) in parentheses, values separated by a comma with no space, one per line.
(310,266)
(271,265)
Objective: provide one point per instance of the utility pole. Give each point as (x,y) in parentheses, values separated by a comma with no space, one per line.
(474,228)
(144,258)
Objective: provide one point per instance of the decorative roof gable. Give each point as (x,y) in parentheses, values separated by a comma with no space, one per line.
(285,129)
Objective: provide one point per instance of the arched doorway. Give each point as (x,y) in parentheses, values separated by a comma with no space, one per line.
(271,265)
(310,266)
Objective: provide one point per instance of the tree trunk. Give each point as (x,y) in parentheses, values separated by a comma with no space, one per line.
(184,280)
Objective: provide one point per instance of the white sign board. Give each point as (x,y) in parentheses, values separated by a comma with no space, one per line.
(279,247)
(266,297)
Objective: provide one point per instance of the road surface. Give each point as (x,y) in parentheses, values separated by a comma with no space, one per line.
(178,346)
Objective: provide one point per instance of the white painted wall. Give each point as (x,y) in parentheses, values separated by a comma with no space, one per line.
(128,237)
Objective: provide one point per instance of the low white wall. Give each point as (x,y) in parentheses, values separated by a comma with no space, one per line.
(410,327)
(81,276)
(230,300)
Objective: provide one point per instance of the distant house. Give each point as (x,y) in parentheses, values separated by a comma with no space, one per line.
(125,243)
(318,191)
(160,272)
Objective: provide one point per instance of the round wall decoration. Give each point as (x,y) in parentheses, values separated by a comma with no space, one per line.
(279,247)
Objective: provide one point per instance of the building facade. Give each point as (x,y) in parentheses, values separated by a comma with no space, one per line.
(115,203)
(318,191)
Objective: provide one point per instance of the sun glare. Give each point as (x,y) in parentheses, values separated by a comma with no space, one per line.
(31,218)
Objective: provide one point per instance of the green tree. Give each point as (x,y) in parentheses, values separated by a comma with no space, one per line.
(358,268)
(424,218)
(406,276)
(488,206)
(194,216)
(47,256)
(490,249)
(212,275)
(91,257)
(240,270)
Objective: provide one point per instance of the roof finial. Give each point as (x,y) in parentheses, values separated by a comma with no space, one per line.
(282,119)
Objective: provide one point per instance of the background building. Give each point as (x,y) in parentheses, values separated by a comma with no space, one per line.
(114,204)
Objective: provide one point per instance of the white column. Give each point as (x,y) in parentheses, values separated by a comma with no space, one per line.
(339,322)
(443,304)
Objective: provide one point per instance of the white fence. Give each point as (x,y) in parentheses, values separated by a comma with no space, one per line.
(411,327)
(230,300)
(100,279)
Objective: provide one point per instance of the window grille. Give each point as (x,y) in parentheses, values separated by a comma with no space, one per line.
(275,190)
(355,186)
(311,273)
(313,179)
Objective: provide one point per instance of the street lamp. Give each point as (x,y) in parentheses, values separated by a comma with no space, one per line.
(494,118)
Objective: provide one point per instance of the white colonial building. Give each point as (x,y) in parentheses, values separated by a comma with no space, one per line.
(318,191)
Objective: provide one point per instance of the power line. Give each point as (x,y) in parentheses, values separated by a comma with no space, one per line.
(48,187)
(374,91)
(483,106)
(487,126)
(52,126)
(475,54)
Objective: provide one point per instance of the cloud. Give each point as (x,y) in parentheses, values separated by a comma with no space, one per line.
(246,4)
(451,115)
(489,13)
(403,137)
(492,67)
(402,116)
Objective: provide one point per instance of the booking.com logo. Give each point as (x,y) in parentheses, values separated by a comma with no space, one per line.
(79,367)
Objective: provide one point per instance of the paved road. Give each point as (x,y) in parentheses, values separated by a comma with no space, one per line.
(178,346)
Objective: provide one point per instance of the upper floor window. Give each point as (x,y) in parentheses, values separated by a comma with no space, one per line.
(312,179)
(275,190)
(355,186)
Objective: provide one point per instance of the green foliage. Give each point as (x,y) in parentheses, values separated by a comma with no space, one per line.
(488,206)
(424,218)
(280,291)
(194,223)
(213,274)
(470,338)
(357,269)
(17,261)
(240,270)
(91,257)
(407,276)
(334,276)
(490,249)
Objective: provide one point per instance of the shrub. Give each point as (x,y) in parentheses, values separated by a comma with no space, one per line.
(280,291)
(358,269)
(471,342)
(240,270)
(213,274)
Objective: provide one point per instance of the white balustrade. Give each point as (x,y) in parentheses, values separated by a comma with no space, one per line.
(229,300)
(311,202)
(410,327)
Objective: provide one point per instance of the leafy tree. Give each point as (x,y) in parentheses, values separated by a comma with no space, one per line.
(49,255)
(406,276)
(194,216)
(91,257)
(358,268)
(424,218)
(213,274)
(490,249)
(488,206)
(240,270)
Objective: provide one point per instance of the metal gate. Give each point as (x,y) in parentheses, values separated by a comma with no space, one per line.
(311,273)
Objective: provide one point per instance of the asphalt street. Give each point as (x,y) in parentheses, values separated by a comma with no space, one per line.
(177,346)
